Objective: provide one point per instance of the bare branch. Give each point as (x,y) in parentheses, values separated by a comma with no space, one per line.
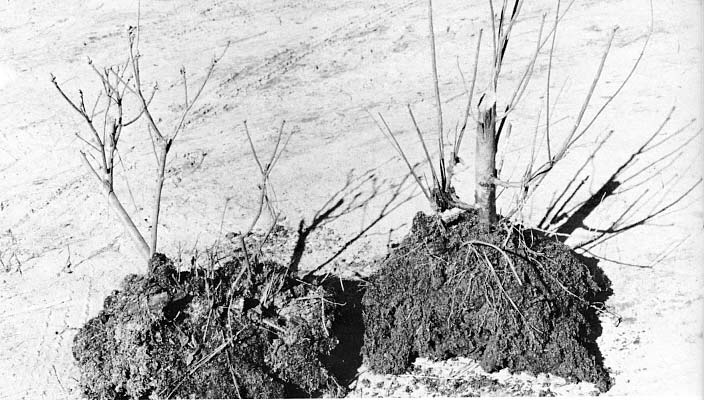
(623,83)
(141,112)
(456,148)
(425,148)
(554,202)
(547,88)
(527,73)
(273,158)
(94,147)
(495,57)
(137,90)
(81,111)
(265,171)
(156,206)
(95,105)
(608,234)
(152,139)
(389,135)
(95,173)
(208,74)
(438,103)
(185,86)
(251,146)
(69,101)
(568,141)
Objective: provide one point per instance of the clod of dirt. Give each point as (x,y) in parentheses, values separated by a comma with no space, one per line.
(447,290)
(224,333)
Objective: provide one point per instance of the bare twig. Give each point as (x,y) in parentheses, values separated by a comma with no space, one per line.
(438,103)
(547,84)
(458,142)
(585,104)
(389,134)
(265,171)
(527,74)
(425,149)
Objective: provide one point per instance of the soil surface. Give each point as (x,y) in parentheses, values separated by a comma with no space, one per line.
(507,298)
(320,65)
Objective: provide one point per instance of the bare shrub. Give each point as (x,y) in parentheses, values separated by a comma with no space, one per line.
(494,127)
(106,120)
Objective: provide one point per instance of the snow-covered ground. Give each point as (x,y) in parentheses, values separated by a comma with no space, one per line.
(319,65)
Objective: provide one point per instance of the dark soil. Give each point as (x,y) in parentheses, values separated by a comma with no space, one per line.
(211,334)
(444,292)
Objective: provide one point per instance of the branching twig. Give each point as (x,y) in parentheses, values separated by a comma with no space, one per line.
(264,196)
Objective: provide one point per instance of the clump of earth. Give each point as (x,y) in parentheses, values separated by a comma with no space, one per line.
(505,296)
(237,331)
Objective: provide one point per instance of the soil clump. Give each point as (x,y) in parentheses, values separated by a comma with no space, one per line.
(505,296)
(235,331)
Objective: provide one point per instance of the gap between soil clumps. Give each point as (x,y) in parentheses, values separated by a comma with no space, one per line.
(506,297)
(224,333)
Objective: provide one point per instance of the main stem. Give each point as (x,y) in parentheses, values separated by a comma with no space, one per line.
(485,163)
(157,196)
(116,205)
(137,238)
